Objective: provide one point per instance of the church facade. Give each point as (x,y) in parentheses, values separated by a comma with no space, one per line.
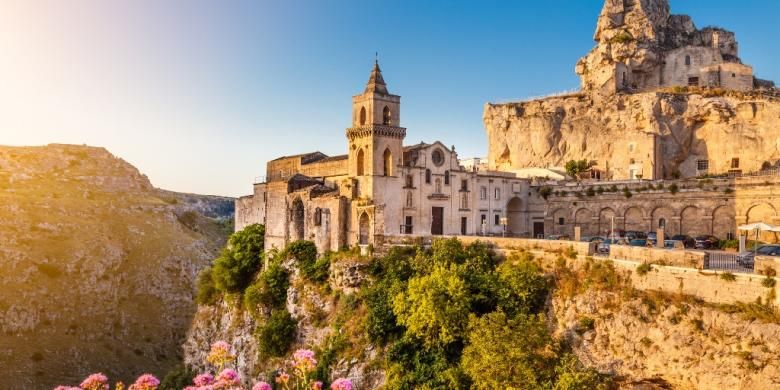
(382,189)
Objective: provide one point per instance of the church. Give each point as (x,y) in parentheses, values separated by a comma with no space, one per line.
(382,190)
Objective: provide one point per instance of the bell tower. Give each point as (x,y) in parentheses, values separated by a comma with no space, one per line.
(375,138)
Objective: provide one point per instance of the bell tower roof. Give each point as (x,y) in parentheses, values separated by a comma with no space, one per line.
(376,84)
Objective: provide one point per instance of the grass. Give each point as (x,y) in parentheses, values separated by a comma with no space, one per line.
(728,276)
(644,268)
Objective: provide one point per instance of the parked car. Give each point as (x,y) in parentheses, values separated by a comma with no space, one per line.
(688,241)
(706,242)
(674,244)
(633,235)
(652,236)
(747,258)
(604,246)
(558,237)
(638,242)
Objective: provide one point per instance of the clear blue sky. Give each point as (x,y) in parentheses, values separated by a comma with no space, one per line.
(200,94)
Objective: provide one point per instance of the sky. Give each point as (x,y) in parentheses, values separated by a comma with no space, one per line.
(199,94)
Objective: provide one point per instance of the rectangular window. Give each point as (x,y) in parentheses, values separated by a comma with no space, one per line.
(703,165)
(464,201)
(408,227)
(693,81)
(483,219)
(464,185)
(497,194)
(735,163)
(560,221)
(409,181)
(483,193)
(497,219)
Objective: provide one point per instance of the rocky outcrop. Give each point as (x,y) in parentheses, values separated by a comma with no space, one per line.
(687,345)
(659,134)
(98,267)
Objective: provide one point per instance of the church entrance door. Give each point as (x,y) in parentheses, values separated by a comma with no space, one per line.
(437,221)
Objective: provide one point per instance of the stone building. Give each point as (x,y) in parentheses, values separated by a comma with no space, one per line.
(381,188)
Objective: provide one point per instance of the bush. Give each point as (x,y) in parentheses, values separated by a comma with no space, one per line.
(627,193)
(236,267)
(305,253)
(545,192)
(572,375)
(728,276)
(523,288)
(768,282)
(503,353)
(585,324)
(275,336)
(381,323)
(590,192)
(644,268)
(270,290)
(177,378)
(674,189)
(207,292)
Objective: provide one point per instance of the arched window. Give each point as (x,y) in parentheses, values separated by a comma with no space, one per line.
(687,60)
(387,157)
(386,116)
(409,201)
(427,176)
(362,116)
(360,161)
(446,178)
(662,223)
(437,187)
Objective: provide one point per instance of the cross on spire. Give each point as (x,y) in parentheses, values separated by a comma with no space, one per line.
(376,83)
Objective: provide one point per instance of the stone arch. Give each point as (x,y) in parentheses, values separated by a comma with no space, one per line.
(691,222)
(723,222)
(605,221)
(361,162)
(584,219)
(364,229)
(386,116)
(298,218)
(514,208)
(763,212)
(362,116)
(663,217)
(634,219)
(558,216)
(387,158)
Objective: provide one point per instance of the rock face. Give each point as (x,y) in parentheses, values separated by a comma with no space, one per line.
(98,267)
(654,134)
(685,345)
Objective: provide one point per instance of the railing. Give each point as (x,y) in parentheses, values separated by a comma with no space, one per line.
(722,261)
(406,229)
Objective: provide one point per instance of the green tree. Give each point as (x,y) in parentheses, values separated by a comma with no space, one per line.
(177,378)
(207,292)
(575,167)
(507,353)
(238,263)
(270,289)
(523,287)
(275,336)
(435,307)
(571,375)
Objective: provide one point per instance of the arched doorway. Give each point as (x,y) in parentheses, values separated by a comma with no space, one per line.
(561,222)
(606,218)
(364,229)
(584,219)
(723,222)
(298,216)
(690,222)
(765,213)
(663,219)
(515,223)
(633,220)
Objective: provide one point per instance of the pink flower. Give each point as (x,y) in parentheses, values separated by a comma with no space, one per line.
(95,382)
(304,359)
(203,380)
(316,385)
(145,382)
(341,384)
(261,386)
(67,388)
(228,376)
(220,354)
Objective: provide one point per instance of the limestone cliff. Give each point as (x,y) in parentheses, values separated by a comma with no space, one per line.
(683,344)
(98,266)
(657,134)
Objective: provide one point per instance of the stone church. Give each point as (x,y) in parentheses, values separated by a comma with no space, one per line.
(381,188)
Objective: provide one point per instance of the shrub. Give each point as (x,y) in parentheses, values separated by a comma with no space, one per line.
(571,253)
(305,253)
(381,323)
(585,324)
(674,189)
(627,193)
(503,353)
(545,192)
(572,375)
(728,276)
(522,287)
(236,267)
(270,290)
(601,275)
(728,191)
(275,336)
(207,292)
(177,378)
(768,282)
(644,268)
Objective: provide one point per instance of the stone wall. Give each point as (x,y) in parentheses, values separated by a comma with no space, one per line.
(675,257)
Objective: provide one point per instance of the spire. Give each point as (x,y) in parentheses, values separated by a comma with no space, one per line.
(376,83)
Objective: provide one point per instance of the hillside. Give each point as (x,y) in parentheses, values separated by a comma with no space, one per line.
(98,266)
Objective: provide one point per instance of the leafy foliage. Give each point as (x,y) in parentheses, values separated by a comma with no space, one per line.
(270,290)
(177,378)
(235,268)
(275,336)
(305,253)
(207,292)
(575,167)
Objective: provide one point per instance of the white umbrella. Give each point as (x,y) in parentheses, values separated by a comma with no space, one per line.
(759,227)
